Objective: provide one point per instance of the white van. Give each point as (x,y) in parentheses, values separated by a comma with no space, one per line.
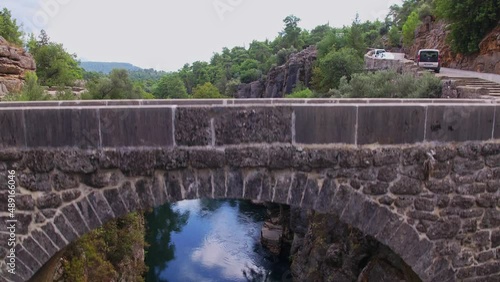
(429,59)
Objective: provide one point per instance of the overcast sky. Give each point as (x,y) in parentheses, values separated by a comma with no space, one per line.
(164,34)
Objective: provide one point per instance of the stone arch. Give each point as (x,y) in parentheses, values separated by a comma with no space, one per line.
(67,192)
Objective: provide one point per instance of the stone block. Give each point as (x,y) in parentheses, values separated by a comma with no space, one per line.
(306,158)
(247,157)
(325,124)
(280,157)
(143,190)
(54,237)
(440,186)
(27,259)
(423,204)
(88,214)
(132,162)
(496,129)
(444,228)
(205,184)
(173,186)
(282,183)
(38,161)
(356,158)
(189,183)
(241,125)
(390,124)
(12,128)
(297,189)
(136,127)
(488,268)
(193,126)
(462,202)
(73,216)
(253,185)
(219,182)
(234,184)
(129,197)
(386,156)
(267,192)
(404,239)
(407,186)
(65,228)
(35,182)
(69,196)
(206,158)
(491,219)
(310,193)
(171,159)
(76,161)
(62,181)
(358,210)
(340,199)
(100,206)
(157,190)
(44,242)
(375,188)
(62,127)
(115,202)
(49,201)
(101,179)
(33,248)
(459,122)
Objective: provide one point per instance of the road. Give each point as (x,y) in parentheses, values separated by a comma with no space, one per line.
(462,73)
(456,73)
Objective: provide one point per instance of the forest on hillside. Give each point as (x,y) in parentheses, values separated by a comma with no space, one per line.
(339,60)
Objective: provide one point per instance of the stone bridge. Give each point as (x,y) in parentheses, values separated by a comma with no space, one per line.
(420,176)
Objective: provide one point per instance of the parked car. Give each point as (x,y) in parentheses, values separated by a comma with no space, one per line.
(429,59)
(377,53)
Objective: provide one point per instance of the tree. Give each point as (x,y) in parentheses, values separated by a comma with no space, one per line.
(291,32)
(117,86)
(355,37)
(470,21)
(409,28)
(9,28)
(170,86)
(54,65)
(206,91)
(334,66)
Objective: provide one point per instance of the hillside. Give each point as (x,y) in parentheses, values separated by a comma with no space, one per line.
(107,67)
(433,34)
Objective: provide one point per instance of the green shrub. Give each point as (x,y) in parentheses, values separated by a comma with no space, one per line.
(32,91)
(389,84)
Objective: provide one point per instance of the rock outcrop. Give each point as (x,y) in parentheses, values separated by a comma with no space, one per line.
(325,249)
(432,35)
(14,63)
(281,80)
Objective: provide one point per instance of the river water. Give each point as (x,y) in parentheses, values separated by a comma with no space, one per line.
(209,241)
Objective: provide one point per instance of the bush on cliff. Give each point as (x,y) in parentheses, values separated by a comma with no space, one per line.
(9,28)
(470,21)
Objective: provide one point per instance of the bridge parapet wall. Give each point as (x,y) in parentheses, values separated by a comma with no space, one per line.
(332,122)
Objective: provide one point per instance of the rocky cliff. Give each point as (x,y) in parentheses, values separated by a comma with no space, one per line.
(14,63)
(432,34)
(324,249)
(282,79)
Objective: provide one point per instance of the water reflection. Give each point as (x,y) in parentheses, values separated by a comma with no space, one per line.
(208,240)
